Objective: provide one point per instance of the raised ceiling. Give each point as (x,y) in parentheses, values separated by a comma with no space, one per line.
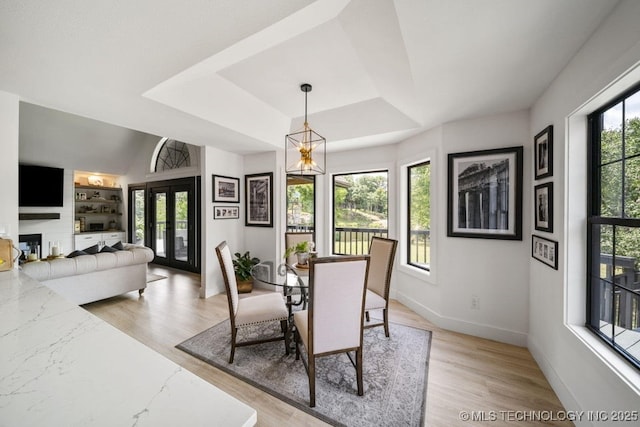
(226,73)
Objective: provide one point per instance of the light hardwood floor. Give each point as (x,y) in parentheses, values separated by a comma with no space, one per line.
(465,373)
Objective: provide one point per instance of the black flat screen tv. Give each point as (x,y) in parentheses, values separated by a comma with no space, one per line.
(40,186)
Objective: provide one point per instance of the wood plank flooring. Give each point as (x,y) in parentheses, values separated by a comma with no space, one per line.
(466,373)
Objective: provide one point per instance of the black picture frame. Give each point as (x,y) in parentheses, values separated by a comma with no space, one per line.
(225,189)
(545,251)
(259,200)
(226,212)
(543,153)
(543,207)
(485,194)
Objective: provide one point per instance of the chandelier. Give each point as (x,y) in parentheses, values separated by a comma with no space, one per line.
(305,151)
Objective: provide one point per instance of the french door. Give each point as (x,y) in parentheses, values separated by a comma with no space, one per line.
(171,226)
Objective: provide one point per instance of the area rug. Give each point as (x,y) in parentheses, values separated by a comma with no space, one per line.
(151,277)
(395,374)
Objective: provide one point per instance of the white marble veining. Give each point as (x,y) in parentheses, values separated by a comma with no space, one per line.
(60,365)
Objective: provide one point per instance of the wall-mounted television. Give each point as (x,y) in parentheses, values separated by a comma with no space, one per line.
(40,186)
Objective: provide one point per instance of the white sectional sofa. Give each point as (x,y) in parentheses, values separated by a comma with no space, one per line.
(88,278)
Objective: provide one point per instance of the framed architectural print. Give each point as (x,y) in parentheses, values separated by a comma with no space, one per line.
(226,212)
(226,189)
(543,153)
(545,251)
(543,205)
(259,200)
(485,194)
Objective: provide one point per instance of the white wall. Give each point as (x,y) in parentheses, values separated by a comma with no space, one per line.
(496,271)
(217,162)
(9,118)
(265,242)
(571,358)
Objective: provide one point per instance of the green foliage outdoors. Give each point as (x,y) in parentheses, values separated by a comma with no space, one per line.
(361,201)
(621,197)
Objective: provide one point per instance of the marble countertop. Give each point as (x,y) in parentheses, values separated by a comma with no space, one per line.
(60,365)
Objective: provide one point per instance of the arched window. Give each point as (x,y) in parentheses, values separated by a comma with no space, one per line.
(172,155)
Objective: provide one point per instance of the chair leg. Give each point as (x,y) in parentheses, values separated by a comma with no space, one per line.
(312,380)
(359,371)
(234,332)
(296,338)
(366,316)
(385,316)
(283,326)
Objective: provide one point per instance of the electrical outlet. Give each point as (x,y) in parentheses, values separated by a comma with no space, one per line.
(475,302)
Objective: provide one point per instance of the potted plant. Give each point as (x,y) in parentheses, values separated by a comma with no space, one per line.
(301,250)
(242,266)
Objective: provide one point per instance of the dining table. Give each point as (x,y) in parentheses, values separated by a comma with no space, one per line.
(293,279)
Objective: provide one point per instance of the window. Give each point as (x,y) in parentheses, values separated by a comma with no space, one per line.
(301,206)
(173,155)
(613,293)
(360,211)
(419,214)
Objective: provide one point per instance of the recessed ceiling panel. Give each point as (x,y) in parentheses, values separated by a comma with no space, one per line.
(323,57)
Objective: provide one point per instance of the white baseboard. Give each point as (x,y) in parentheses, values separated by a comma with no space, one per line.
(464,326)
(562,391)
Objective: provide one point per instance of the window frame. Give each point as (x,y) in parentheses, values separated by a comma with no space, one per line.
(408,208)
(333,204)
(595,220)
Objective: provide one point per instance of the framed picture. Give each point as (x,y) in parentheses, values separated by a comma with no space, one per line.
(485,194)
(545,251)
(259,200)
(543,153)
(543,205)
(226,189)
(226,212)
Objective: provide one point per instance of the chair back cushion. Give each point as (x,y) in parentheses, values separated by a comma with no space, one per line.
(292,239)
(337,286)
(382,252)
(229,276)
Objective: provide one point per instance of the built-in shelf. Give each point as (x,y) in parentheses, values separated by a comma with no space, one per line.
(35,216)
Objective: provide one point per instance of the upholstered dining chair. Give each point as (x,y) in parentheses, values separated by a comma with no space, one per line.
(253,310)
(291,239)
(334,321)
(382,252)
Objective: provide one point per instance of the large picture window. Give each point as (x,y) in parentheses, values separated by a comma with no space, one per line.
(360,211)
(613,302)
(419,213)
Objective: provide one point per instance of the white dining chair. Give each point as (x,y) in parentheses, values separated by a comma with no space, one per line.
(334,321)
(252,310)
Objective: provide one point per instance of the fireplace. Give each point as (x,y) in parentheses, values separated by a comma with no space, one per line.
(30,243)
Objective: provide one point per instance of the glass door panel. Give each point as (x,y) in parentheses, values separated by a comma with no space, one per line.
(181,221)
(160,221)
(138,216)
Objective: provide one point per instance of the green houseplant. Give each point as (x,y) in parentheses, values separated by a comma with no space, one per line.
(301,249)
(242,266)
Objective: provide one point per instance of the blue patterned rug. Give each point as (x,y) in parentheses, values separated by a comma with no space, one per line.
(395,374)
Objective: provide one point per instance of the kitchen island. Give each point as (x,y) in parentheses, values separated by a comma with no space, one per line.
(60,365)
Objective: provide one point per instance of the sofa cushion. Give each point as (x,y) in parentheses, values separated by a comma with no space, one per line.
(118,246)
(84,264)
(108,249)
(92,250)
(76,253)
(106,260)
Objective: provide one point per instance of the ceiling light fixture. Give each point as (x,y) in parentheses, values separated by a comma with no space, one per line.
(305,150)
